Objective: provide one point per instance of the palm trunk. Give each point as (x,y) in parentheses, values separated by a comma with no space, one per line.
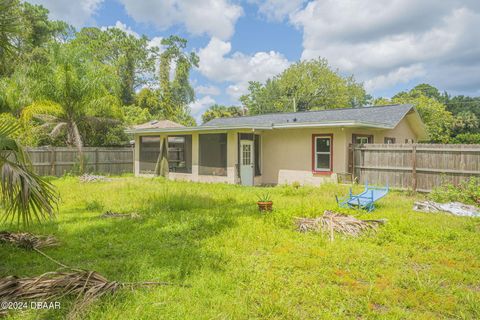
(74,138)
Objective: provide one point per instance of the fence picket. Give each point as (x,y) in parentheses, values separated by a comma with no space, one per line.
(57,161)
(419,167)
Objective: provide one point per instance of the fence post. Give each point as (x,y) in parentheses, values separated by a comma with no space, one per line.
(414,167)
(53,160)
(96,160)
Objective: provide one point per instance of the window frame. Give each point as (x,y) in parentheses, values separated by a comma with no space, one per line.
(392,139)
(370,138)
(315,170)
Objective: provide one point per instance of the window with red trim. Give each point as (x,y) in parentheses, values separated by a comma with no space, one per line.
(322,153)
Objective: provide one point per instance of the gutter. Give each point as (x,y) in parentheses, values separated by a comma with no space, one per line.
(199,128)
(263,127)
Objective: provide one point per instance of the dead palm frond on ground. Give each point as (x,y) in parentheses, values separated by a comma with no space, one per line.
(111,214)
(332,222)
(24,194)
(28,240)
(86,286)
(85,178)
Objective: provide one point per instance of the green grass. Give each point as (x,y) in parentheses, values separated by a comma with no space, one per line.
(241,264)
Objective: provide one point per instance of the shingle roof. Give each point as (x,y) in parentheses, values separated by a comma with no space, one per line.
(158,124)
(388,116)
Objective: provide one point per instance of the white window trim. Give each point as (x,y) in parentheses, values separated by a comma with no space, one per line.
(317,169)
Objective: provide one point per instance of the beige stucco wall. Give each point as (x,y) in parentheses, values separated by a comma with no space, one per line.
(286,154)
(401,132)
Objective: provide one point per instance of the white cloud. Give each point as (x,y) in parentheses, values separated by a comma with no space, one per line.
(199,106)
(277,10)
(400,75)
(238,68)
(212,17)
(77,12)
(156,42)
(208,90)
(389,42)
(122,26)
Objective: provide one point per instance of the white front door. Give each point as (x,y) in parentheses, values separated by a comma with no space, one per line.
(246,162)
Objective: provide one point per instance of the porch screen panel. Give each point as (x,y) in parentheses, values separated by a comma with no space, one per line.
(213,154)
(149,152)
(180,153)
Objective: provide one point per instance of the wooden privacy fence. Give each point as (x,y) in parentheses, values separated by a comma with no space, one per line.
(419,167)
(56,161)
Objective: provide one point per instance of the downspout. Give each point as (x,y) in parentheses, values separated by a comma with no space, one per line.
(253,158)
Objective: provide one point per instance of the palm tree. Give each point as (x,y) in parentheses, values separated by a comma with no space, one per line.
(70,90)
(24,194)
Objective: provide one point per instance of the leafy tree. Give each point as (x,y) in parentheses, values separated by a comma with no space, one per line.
(136,115)
(148,99)
(438,121)
(428,91)
(25,27)
(306,85)
(24,194)
(466,122)
(466,138)
(9,30)
(132,58)
(176,93)
(219,111)
(265,98)
(68,91)
(459,104)
(38,30)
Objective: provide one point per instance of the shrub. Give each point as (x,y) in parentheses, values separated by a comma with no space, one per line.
(94,205)
(467,191)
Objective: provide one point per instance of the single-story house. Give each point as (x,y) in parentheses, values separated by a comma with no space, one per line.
(281,148)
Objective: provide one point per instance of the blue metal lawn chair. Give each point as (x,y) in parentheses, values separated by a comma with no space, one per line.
(365,200)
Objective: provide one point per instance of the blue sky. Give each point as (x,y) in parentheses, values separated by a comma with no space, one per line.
(389,45)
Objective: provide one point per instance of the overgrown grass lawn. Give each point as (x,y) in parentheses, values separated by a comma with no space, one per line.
(240,264)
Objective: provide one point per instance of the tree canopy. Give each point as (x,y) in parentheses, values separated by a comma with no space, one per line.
(306,85)
(219,111)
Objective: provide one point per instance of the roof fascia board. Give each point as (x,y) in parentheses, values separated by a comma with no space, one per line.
(267,127)
(199,128)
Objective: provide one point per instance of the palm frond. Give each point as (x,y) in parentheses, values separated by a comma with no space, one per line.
(41,108)
(57,129)
(46,118)
(77,138)
(24,194)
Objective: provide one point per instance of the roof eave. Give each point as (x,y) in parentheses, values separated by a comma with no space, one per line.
(329,124)
(198,128)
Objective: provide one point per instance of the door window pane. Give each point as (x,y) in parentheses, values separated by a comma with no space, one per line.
(246,154)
